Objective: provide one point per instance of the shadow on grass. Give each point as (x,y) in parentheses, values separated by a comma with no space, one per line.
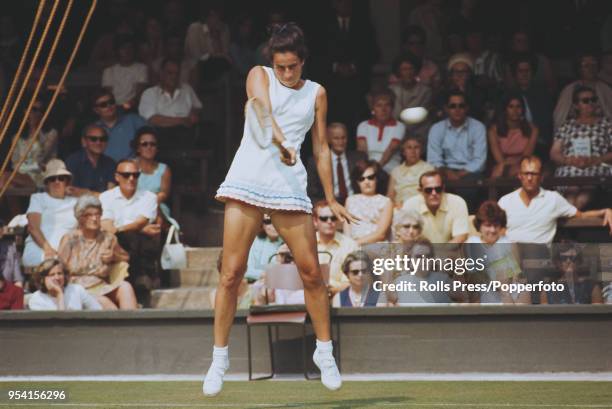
(343,403)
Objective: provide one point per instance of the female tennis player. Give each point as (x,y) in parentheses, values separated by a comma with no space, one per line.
(267,176)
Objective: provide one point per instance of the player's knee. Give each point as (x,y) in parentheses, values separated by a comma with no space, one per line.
(311,277)
(232,275)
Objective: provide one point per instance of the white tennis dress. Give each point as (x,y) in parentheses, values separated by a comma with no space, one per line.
(257,175)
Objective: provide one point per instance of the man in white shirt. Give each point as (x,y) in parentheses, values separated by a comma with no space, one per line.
(128,78)
(171,103)
(330,240)
(343,163)
(533,212)
(131,215)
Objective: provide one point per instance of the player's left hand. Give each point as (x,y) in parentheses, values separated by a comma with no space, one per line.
(341,213)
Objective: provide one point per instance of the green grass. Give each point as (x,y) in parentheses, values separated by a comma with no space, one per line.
(302,394)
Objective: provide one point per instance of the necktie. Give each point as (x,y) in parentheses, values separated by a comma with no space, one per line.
(342,191)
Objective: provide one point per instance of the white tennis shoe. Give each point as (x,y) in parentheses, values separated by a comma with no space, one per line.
(330,375)
(213,382)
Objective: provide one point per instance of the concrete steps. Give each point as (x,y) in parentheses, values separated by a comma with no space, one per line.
(193,298)
(191,286)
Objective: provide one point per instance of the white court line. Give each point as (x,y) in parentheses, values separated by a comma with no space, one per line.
(363,377)
(305,404)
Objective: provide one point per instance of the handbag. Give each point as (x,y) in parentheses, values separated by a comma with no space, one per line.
(174,256)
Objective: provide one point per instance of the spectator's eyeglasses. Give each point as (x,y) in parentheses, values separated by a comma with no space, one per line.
(328,218)
(565,259)
(456,106)
(60,178)
(105,104)
(411,226)
(100,139)
(430,190)
(127,175)
(147,144)
(592,100)
(267,221)
(358,272)
(369,177)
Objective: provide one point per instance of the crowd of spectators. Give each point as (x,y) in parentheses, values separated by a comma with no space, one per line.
(495,111)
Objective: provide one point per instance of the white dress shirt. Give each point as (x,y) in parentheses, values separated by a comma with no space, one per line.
(122,211)
(156,101)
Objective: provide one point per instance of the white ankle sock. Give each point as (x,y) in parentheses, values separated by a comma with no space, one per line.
(325,346)
(220,350)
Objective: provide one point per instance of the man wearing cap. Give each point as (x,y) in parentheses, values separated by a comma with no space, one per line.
(93,171)
(131,215)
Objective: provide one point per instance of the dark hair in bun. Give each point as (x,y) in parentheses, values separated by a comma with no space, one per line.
(287,37)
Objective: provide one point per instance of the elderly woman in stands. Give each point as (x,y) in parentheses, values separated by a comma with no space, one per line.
(155,176)
(56,293)
(511,137)
(582,146)
(578,286)
(380,136)
(368,204)
(404,180)
(30,172)
(50,215)
(408,226)
(95,260)
(358,269)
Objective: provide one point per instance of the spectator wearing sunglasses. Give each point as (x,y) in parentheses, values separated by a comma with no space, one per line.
(578,286)
(264,246)
(130,214)
(445,215)
(583,147)
(335,243)
(588,68)
(92,171)
(357,268)
(50,215)
(368,204)
(120,127)
(43,149)
(533,212)
(155,176)
(457,146)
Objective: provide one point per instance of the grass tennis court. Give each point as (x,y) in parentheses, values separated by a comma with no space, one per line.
(302,394)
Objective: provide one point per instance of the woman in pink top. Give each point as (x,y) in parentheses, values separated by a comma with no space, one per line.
(511,136)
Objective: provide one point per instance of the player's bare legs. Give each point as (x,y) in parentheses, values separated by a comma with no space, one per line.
(240,226)
(297,230)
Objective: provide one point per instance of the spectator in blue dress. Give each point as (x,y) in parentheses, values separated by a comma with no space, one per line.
(266,244)
(155,176)
(92,171)
(121,128)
